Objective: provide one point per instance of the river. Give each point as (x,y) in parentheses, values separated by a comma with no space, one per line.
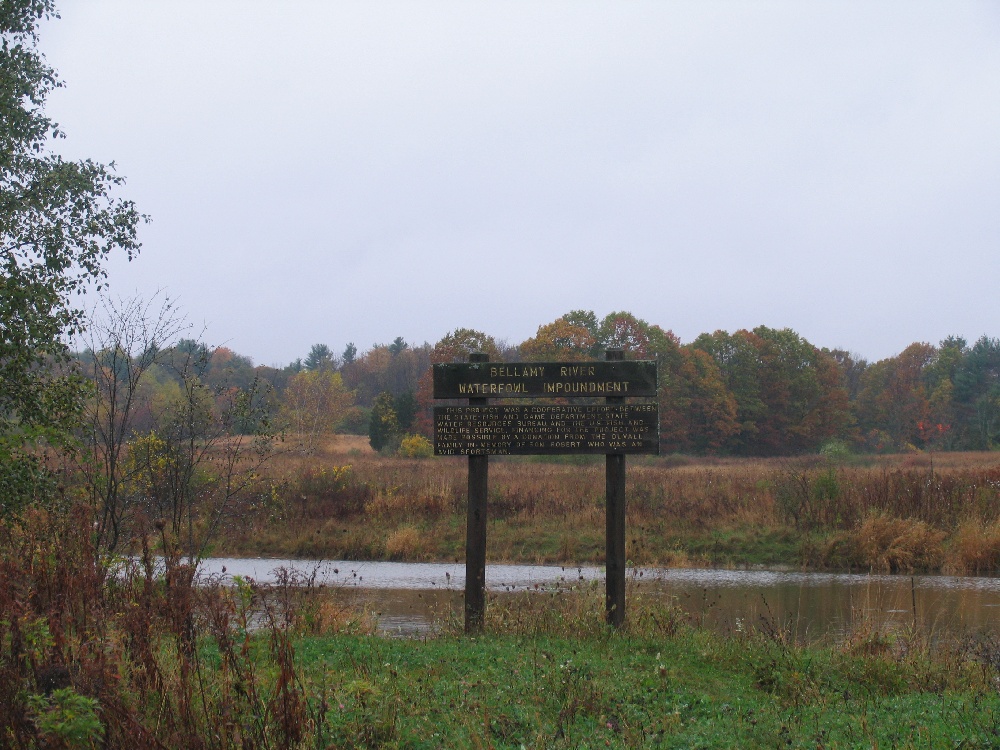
(409,598)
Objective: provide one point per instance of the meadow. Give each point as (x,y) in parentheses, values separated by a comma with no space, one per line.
(900,513)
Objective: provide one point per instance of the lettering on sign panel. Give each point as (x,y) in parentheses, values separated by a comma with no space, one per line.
(539,430)
(552,379)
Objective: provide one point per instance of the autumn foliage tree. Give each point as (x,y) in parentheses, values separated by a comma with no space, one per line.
(623,330)
(396,368)
(313,404)
(790,396)
(455,346)
(764,391)
(559,341)
(893,399)
(697,412)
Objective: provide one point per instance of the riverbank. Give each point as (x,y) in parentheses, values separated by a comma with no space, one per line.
(683,689)
(181,665)
(908,513)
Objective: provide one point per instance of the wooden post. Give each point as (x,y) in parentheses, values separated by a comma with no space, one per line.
(475,530)
(614,599)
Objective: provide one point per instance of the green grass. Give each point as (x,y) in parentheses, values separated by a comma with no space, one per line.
(744,546)
(692,689)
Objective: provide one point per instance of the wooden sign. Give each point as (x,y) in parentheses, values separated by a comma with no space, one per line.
(546,430)
(623,379)
(482,429)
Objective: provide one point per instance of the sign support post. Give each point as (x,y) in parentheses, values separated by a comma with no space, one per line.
(475,529)
(614,598)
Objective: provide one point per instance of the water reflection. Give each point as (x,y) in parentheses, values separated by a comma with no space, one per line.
(409,598)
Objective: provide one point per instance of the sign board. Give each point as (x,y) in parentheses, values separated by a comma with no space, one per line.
(481,429)
(546,430)
(619,379)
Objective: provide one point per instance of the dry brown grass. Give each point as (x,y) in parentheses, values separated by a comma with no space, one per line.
(405,543)
(897,545)
(975,548)
(897,512)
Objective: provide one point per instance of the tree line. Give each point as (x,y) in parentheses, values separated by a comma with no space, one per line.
(759,392)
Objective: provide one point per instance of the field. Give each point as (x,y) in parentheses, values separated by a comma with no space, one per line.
(915,512)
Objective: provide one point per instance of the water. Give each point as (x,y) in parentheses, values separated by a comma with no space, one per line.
(409,598)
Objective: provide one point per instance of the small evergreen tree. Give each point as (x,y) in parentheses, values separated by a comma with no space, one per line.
(405,405)
(383,426)
(320,357)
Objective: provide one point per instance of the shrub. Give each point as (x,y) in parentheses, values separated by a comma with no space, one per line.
(836,451)
(68,719)
(416,446)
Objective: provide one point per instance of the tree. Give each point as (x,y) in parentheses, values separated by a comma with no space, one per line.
(206,450)
(453,347)
(697,412)
(350,352)
(405,406)
(893,400)
(559,341)
(398,346)
(945,428)
(852,367)
(977,393)
(790,396)
(59,221)
(379,369)
(460,343)
(383,426)
(736,355)
(226,367)
(622,330)
(125,340)
(320,357)
(584,319)
(195,351)
(710,420)
(314,404)
(803,391)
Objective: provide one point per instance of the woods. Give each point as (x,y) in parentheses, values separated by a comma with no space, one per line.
(759,392)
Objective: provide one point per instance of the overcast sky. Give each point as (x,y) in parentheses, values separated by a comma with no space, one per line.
(333,171)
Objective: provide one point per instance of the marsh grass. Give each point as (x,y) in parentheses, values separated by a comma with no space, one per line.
(898,513)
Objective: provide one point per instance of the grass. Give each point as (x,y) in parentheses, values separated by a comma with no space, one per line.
(687,690)
(895,514)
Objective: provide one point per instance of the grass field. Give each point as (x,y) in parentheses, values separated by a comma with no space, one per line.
(918,512)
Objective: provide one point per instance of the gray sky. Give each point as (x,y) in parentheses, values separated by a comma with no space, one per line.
(356,171)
